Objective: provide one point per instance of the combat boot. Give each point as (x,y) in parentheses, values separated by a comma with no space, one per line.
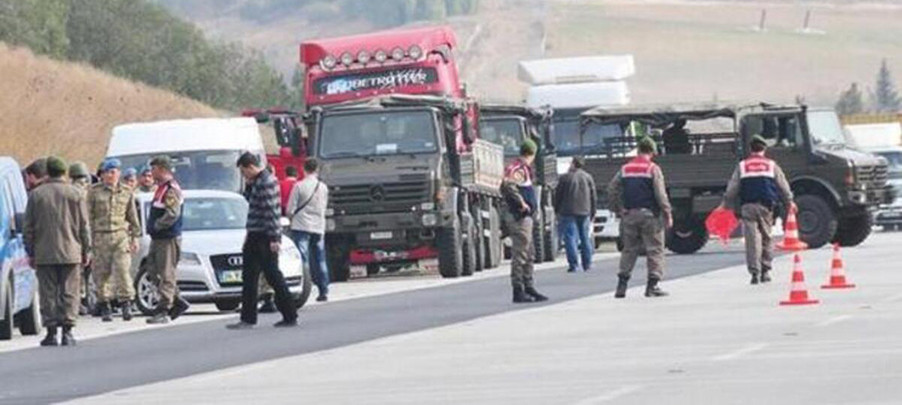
(622,285)
(50,339)
(159,317)
(531,291)
(520,296)
(105,312)
(754,278)
(178,308)
(652,289)
(126,311)
(765,276)
(68,339)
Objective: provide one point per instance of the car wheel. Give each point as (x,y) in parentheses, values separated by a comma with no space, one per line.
(6,324)
(372,269)
(30,318)
(146,294)
(227,305)
(306,287)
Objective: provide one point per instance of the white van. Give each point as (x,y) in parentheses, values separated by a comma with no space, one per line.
(204,151)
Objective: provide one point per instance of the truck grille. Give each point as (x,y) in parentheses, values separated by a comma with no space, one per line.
(398,196)
(872,176)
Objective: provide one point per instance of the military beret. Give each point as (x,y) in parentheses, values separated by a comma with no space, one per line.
(130,172)
(110,164)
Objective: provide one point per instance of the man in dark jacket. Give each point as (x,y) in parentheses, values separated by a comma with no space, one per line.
(574,203)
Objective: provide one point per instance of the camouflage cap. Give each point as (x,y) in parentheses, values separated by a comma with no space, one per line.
(758,139)
(56,166)
(78,169)
(647,145)
(162,161)
(528,148)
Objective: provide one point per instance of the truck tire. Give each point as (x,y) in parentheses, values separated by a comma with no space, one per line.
(469,246)
(338,255)
(687,236)
(817,220)
(852,231)
(538,236)
(30,318)
(6,324)
(450,250)
(550,238)
(228,305)
(146,295)
(494,246)
(479,239)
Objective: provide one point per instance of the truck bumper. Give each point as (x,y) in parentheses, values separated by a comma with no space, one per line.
(391,237)
(871,197)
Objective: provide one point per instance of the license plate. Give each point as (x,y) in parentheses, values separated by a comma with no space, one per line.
(380,235)
(231,276)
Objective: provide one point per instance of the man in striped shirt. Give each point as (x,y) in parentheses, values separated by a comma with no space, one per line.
(262,245)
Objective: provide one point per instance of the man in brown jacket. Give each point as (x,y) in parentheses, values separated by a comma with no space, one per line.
(58,240)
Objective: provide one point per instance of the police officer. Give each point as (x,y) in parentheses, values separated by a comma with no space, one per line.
(638,194)
(115,227)
(164,225)
(521,201)
(757,186)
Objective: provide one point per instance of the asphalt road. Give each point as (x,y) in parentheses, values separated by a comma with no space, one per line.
(103,365)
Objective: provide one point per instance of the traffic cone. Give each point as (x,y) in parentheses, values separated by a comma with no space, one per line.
(798,295)
(837,272)
(791,241)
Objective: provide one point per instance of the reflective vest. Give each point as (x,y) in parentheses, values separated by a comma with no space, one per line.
(158,208)
(757,181)
(637,177)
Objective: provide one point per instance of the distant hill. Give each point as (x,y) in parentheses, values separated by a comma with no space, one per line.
(68,109)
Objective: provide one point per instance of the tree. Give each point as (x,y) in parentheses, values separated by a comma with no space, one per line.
(886,98)
(850,101)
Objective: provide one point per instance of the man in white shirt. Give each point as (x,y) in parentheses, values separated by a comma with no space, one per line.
(307,210)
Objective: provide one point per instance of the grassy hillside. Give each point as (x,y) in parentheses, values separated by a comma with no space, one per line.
(53,107)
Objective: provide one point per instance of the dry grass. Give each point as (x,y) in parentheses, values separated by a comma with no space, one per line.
(52,107)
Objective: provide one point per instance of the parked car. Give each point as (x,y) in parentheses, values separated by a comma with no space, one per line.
(19,302)
(209,269)
(889,216)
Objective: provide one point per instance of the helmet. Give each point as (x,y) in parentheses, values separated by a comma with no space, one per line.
(78,169)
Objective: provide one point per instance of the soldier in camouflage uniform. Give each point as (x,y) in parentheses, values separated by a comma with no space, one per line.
(115,227)
(81,179)
(146,182)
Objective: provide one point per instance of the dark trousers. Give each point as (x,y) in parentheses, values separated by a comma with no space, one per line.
(58,285)
(259,258)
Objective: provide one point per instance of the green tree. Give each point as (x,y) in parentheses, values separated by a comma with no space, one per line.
(37,24)
(850,101)
(886,98)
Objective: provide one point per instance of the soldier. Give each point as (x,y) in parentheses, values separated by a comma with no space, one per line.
(114,222)
(35,174)
(146,182)
(79,176)
(130,178)
(81,179)
(757,186)
(57,239)
(164,225)
(521,201)
(638,194)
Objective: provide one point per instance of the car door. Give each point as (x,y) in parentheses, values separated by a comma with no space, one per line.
(783,133)
(25,279)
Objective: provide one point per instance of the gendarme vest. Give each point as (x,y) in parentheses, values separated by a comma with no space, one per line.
(637,177)
(158,209)
(757,181)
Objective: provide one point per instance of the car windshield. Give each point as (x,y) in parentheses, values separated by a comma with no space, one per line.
(200,170)
(507,132)
(567,142)
(377,133)
(894,160)
(211,213)
(825,128)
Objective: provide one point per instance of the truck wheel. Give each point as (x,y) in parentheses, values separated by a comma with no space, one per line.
(6,324)
(852,231)
(479,242)
(146,295)
(227,305)
(687,236)
(538,237)
(450,250)
(372,269)
(550,239)
(493,246)
(469,246)
(30,318)
(338,255)
(817,221)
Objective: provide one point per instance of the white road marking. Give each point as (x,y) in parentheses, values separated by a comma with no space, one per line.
(610,396)
(835,319)
(741,352)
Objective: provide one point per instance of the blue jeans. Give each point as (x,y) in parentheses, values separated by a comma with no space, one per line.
(313,252)
(575,233)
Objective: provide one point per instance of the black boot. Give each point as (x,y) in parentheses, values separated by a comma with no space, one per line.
(531,291)
(158,317)
(268,307)
(520,296)
(106,312)
(126,310)
(178,308)
(652,289)
(765,276)
(622,284)
(68,339)
(754,278)
(50,339)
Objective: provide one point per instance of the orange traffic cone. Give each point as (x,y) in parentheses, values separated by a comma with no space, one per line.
(837,271)
(798,295)
(791,241)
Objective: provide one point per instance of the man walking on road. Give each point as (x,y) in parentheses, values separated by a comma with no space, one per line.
(58,239)
(307,209)
(757,186)
(164,225)
(115,227)
(639,195)
(262,245)
(521,201)
(574,203)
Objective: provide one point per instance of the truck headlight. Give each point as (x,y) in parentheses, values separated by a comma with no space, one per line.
(427,206)
(430,219)
(330,224)
(189,259)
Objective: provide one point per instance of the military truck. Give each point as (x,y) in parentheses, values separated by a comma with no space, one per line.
(409,181)
(835,187)
(509,126)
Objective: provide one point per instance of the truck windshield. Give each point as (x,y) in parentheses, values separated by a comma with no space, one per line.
(567,142)
(198,170)
(377,133)
(507,132)
(825,128)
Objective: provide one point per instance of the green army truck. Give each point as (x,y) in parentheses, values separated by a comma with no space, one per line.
(835,187)
(509,126)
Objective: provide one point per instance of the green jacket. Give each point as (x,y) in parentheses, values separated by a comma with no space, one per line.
(56,227)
